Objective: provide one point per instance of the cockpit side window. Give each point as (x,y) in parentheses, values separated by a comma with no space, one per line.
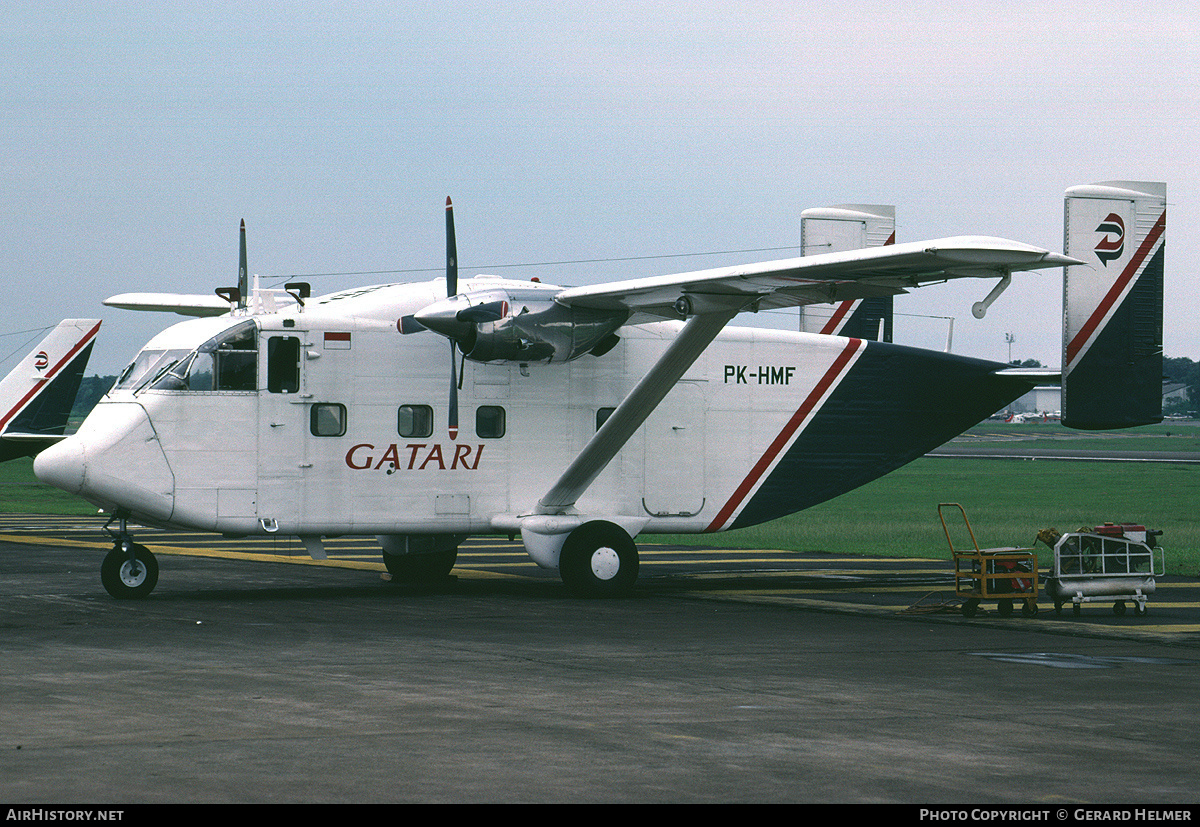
(236,359)
(226,362)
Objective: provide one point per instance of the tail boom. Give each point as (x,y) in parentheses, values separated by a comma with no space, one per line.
(878,407)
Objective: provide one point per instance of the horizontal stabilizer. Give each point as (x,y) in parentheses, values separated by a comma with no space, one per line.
(1043,376)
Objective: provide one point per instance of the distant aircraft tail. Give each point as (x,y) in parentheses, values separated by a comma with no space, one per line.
(834,230)
(37,395)
(1112,305)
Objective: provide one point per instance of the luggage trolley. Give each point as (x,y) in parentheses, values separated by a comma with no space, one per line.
(1000,574)
(1115,562)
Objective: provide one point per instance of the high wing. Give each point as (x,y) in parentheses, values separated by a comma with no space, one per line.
(560,325)
(181,303)
(713,297)
(853,274)
(192,304)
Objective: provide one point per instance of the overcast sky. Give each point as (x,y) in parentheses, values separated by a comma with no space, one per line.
(134,137)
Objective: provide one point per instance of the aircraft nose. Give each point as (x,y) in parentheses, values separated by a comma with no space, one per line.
(114,461)
(62,465)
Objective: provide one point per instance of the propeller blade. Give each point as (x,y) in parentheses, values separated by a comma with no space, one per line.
(451,252)
(453,421)
(452,290)
(243,275)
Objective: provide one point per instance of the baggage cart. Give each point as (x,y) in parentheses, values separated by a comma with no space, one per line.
(1115,562)
(1004,575)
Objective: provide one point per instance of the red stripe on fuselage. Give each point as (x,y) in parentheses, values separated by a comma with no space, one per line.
(785,436)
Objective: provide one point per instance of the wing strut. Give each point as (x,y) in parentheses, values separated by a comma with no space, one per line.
(682,353)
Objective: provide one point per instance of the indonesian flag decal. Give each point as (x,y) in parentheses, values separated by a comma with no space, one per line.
(337,340)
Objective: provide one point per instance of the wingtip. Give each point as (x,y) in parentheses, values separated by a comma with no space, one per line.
(448,204)
(1064,260)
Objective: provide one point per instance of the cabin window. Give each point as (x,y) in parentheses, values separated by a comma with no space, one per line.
(602,416)
(327,419)
(283,364)
(415,421)
(489,422)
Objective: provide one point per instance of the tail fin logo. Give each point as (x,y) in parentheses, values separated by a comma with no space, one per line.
(1112,246)
(42,360)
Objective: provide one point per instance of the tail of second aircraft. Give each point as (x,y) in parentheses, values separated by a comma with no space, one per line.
(833,230)
(1112,305)
(37,395)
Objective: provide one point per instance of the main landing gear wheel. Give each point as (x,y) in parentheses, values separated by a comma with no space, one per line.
(420,568)
(127,576)
(419,558)
(599,559)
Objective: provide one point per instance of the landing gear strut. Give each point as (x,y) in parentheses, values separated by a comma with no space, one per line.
(130,570)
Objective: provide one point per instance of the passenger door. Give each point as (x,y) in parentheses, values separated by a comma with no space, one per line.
(282,426)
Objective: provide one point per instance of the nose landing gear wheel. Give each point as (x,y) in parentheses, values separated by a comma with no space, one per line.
(128,578)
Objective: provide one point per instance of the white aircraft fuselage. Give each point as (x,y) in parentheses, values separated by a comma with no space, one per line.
(346,433)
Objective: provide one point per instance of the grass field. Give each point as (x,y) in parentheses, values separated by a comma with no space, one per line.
(21,493)
(1007,501)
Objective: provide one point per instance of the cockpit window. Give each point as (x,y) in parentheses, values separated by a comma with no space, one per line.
(226,362)
(145,366)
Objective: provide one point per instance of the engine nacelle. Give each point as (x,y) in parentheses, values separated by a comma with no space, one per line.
(518,326)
